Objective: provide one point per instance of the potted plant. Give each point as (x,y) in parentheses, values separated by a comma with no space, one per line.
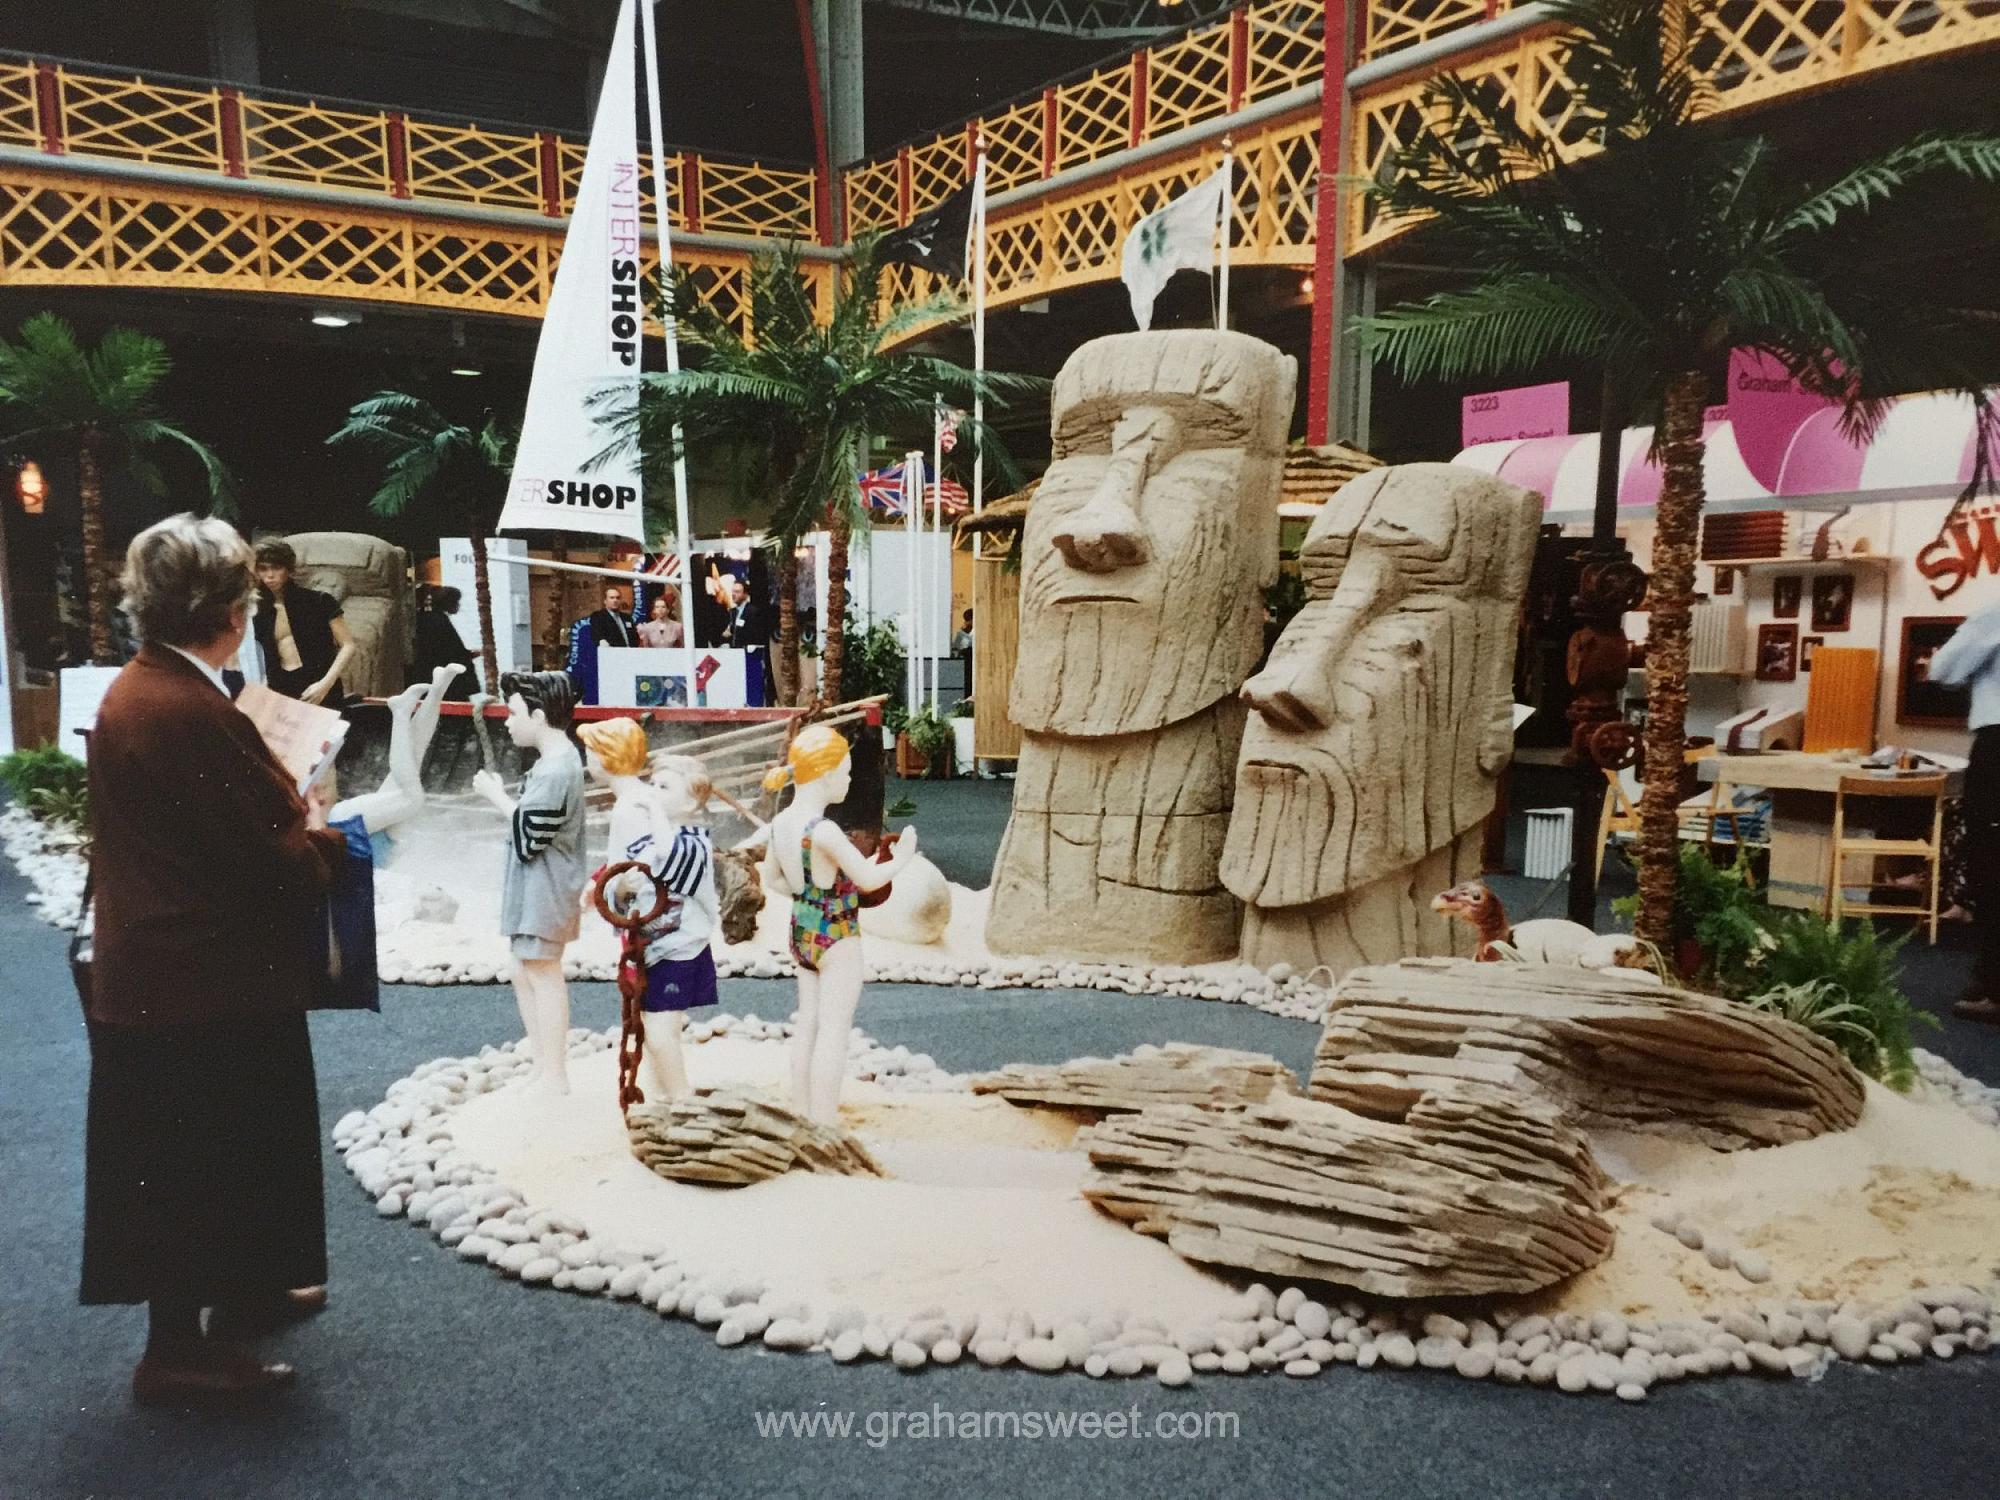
(925,745)
(965,753)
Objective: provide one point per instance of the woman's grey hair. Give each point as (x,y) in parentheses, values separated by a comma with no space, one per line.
(183,576)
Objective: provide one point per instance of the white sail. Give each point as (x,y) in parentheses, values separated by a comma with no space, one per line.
(590,337)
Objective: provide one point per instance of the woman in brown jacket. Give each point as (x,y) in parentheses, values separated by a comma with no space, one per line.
(202,1177)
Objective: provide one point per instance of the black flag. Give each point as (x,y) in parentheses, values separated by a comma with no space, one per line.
(935,240)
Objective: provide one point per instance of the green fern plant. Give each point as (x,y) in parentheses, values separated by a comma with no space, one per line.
(28,772)
(1824,1009)
(1856,963)
(68,806)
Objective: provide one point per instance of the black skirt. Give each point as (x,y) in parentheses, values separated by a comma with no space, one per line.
(202,1166)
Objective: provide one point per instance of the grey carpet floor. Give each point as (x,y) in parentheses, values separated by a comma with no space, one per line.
(430,1378)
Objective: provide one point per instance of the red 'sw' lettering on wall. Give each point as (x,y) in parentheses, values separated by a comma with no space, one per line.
(1968,545)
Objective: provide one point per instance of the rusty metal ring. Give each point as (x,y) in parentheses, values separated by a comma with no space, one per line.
(662,896)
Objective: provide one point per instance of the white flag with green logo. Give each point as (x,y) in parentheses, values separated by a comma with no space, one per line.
(1179,237)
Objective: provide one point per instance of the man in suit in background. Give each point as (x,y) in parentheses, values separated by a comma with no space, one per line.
(610,625)
(746,629)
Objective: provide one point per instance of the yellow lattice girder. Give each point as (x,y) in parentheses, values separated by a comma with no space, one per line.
(1750,50)
(19,125)
(134,119)
(311,143)
(464,164)
(63,229)
(1391,25)
(871,196)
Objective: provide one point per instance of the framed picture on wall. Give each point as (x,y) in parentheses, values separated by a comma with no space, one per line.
(1725,583)
(1777,653)
(1807,645)
(1919,701)
(1785,591)
(1832,602)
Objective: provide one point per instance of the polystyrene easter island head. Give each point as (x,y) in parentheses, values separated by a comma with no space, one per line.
(1382,719)
(1142,568)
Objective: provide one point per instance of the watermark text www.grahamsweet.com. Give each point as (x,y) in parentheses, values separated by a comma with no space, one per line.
(881,1426)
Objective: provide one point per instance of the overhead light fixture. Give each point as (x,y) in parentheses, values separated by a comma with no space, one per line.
(466,370)
(1306,287)
(333,320)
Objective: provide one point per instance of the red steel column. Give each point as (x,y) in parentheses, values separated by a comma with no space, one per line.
(903,189)
(48,107)
(550,163)
(1239,57)
(816,99)
(398,134)
(690,193)
(1328,230)
(1141,61)
(229,115)
(1048,132)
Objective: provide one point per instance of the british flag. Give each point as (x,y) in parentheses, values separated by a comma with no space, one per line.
(882,490)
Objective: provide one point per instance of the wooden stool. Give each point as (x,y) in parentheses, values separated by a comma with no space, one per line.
(1930,850)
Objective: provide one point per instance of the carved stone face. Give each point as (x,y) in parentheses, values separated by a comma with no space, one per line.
(1382,715)
(1152,532)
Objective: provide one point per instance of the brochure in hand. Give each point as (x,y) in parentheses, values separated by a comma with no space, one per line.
(304,736)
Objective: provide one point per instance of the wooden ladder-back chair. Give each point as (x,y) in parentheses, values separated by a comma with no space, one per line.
(1869,847)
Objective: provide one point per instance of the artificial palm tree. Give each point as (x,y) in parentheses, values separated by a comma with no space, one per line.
(103,403)
(1652,257)
(427,455)
(797,401)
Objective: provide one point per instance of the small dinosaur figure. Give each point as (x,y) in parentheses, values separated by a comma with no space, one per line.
(1544,940)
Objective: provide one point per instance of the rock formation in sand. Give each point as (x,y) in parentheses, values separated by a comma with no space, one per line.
(1178,1073)
(1458,1190)
(1382,721)
(1146,551)
(1606,1048)
(721,1138)
(917,910)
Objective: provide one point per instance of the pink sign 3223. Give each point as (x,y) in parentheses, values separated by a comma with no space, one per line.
(1527,411)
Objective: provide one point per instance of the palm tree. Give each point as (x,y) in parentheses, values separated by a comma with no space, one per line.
(1652,259)
(797,401)
(427,455)
(105,404)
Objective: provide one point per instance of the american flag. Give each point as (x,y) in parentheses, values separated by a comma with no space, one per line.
(955,501)
(666,565)
(948,420)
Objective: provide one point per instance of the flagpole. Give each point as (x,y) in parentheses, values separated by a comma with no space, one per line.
(978,346)
(683,528)
(937,522)
(1228,224)
(913,505)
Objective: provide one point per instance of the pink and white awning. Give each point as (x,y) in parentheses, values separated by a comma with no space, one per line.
(1922,450)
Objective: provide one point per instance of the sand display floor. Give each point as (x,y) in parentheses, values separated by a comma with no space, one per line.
(1877,1242)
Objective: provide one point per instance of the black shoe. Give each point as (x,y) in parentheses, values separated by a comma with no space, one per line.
(235,1321)
(220,1375)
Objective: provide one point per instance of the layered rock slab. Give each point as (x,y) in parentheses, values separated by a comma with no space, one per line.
(1148,1076)
(723,1138)
(1462,1190)
(1608,1050)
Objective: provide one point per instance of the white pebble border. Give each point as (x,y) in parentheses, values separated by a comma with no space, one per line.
(403,1155)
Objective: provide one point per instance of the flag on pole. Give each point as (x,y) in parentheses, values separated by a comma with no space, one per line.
(1179,237)
(667,566)
(948,422)
(882,490)
(936,239)
(590,337)
(949,495)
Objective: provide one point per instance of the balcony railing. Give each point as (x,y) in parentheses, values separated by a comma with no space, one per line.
(63,109)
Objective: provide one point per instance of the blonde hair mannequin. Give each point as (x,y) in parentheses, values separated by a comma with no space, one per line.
(811,858)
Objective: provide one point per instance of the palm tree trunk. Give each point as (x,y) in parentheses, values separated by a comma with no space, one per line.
(1670,599)
(482,588)
(96,583)
(833,650)
(786,667)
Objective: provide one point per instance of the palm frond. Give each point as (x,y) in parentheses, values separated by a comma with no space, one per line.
(1874,184)
(1502,324)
